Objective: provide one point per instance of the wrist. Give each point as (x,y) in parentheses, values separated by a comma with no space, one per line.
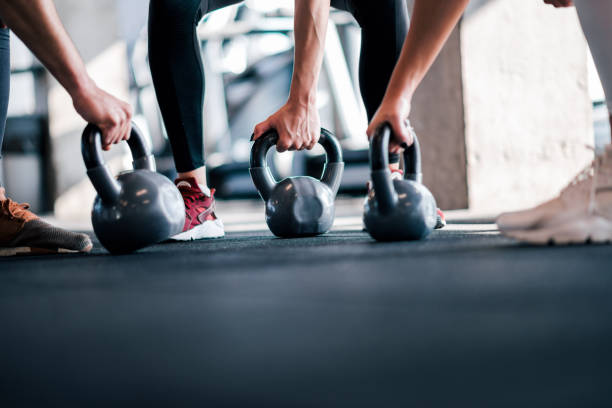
(397,96)
(79,86)
(303,90)
(302,99)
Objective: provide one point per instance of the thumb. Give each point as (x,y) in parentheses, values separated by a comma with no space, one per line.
(374,124)
(261,129)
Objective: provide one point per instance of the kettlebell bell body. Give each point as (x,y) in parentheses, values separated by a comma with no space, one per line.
(138,208)
(397,210)
(298,206)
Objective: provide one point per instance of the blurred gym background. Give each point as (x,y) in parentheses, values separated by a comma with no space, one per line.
(506,116)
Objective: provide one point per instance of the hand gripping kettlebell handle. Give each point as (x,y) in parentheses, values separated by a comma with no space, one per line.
(258,168)
(379,165)
(98,171)
(265,182)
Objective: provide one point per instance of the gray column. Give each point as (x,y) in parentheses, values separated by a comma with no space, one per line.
(504,114)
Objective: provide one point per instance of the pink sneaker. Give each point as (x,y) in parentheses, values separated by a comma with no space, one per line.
(200,219)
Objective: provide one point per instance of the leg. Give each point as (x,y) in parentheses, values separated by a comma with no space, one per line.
(178,77)
(5,78)
(384,26)
(20,230)
(596,20)
(176,68)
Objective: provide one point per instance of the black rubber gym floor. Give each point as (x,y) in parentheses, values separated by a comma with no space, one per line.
(466,318)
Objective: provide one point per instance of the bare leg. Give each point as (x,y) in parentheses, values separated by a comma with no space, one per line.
(198,174)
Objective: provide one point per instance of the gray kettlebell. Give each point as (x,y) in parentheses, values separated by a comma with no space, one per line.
(138,208)
(397,210)
(298,206)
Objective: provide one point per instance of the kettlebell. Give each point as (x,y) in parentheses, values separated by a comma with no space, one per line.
(397,210)
(298,206)
(138,208)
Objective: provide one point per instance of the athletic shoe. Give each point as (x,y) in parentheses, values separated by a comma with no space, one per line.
(440,220)
(22,232)
(582,212)
(200,219)
(397,174)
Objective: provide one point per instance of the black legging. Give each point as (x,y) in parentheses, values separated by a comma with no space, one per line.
(5,80)
(178,77)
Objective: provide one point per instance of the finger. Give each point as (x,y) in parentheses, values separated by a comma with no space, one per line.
(315,140)
(108,137)
(283,144)
(282,147)
(401,132)
(372,128)
(129,111)
(311,144)
(394,147)
(112,132)
(262,128)
(122,127)
(129,130)
(298,144)
(285,141)
(126,127)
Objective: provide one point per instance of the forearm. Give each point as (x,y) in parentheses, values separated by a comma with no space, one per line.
(310,27)
(431,24)
(37,24)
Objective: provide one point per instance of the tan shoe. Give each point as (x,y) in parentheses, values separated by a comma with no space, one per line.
(22,232)
(582,213)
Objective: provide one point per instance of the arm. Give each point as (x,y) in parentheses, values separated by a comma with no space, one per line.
(297,122)
(560,3)
(37,24)
(431,24)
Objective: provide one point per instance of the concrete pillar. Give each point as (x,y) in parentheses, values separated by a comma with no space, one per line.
(505,114)
(438,119)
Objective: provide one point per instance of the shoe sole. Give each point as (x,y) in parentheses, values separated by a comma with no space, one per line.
(590,229)
(440,223)
(27,251)
(507,227)
(207,230)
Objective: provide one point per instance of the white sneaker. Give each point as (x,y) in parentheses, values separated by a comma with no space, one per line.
(582,213)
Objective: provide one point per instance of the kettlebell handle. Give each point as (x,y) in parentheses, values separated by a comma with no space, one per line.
(379,164)
(265,182)
(379,157)
(98,171)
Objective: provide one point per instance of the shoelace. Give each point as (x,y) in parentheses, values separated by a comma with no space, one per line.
(192,195)
(16,210)
(590,172)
